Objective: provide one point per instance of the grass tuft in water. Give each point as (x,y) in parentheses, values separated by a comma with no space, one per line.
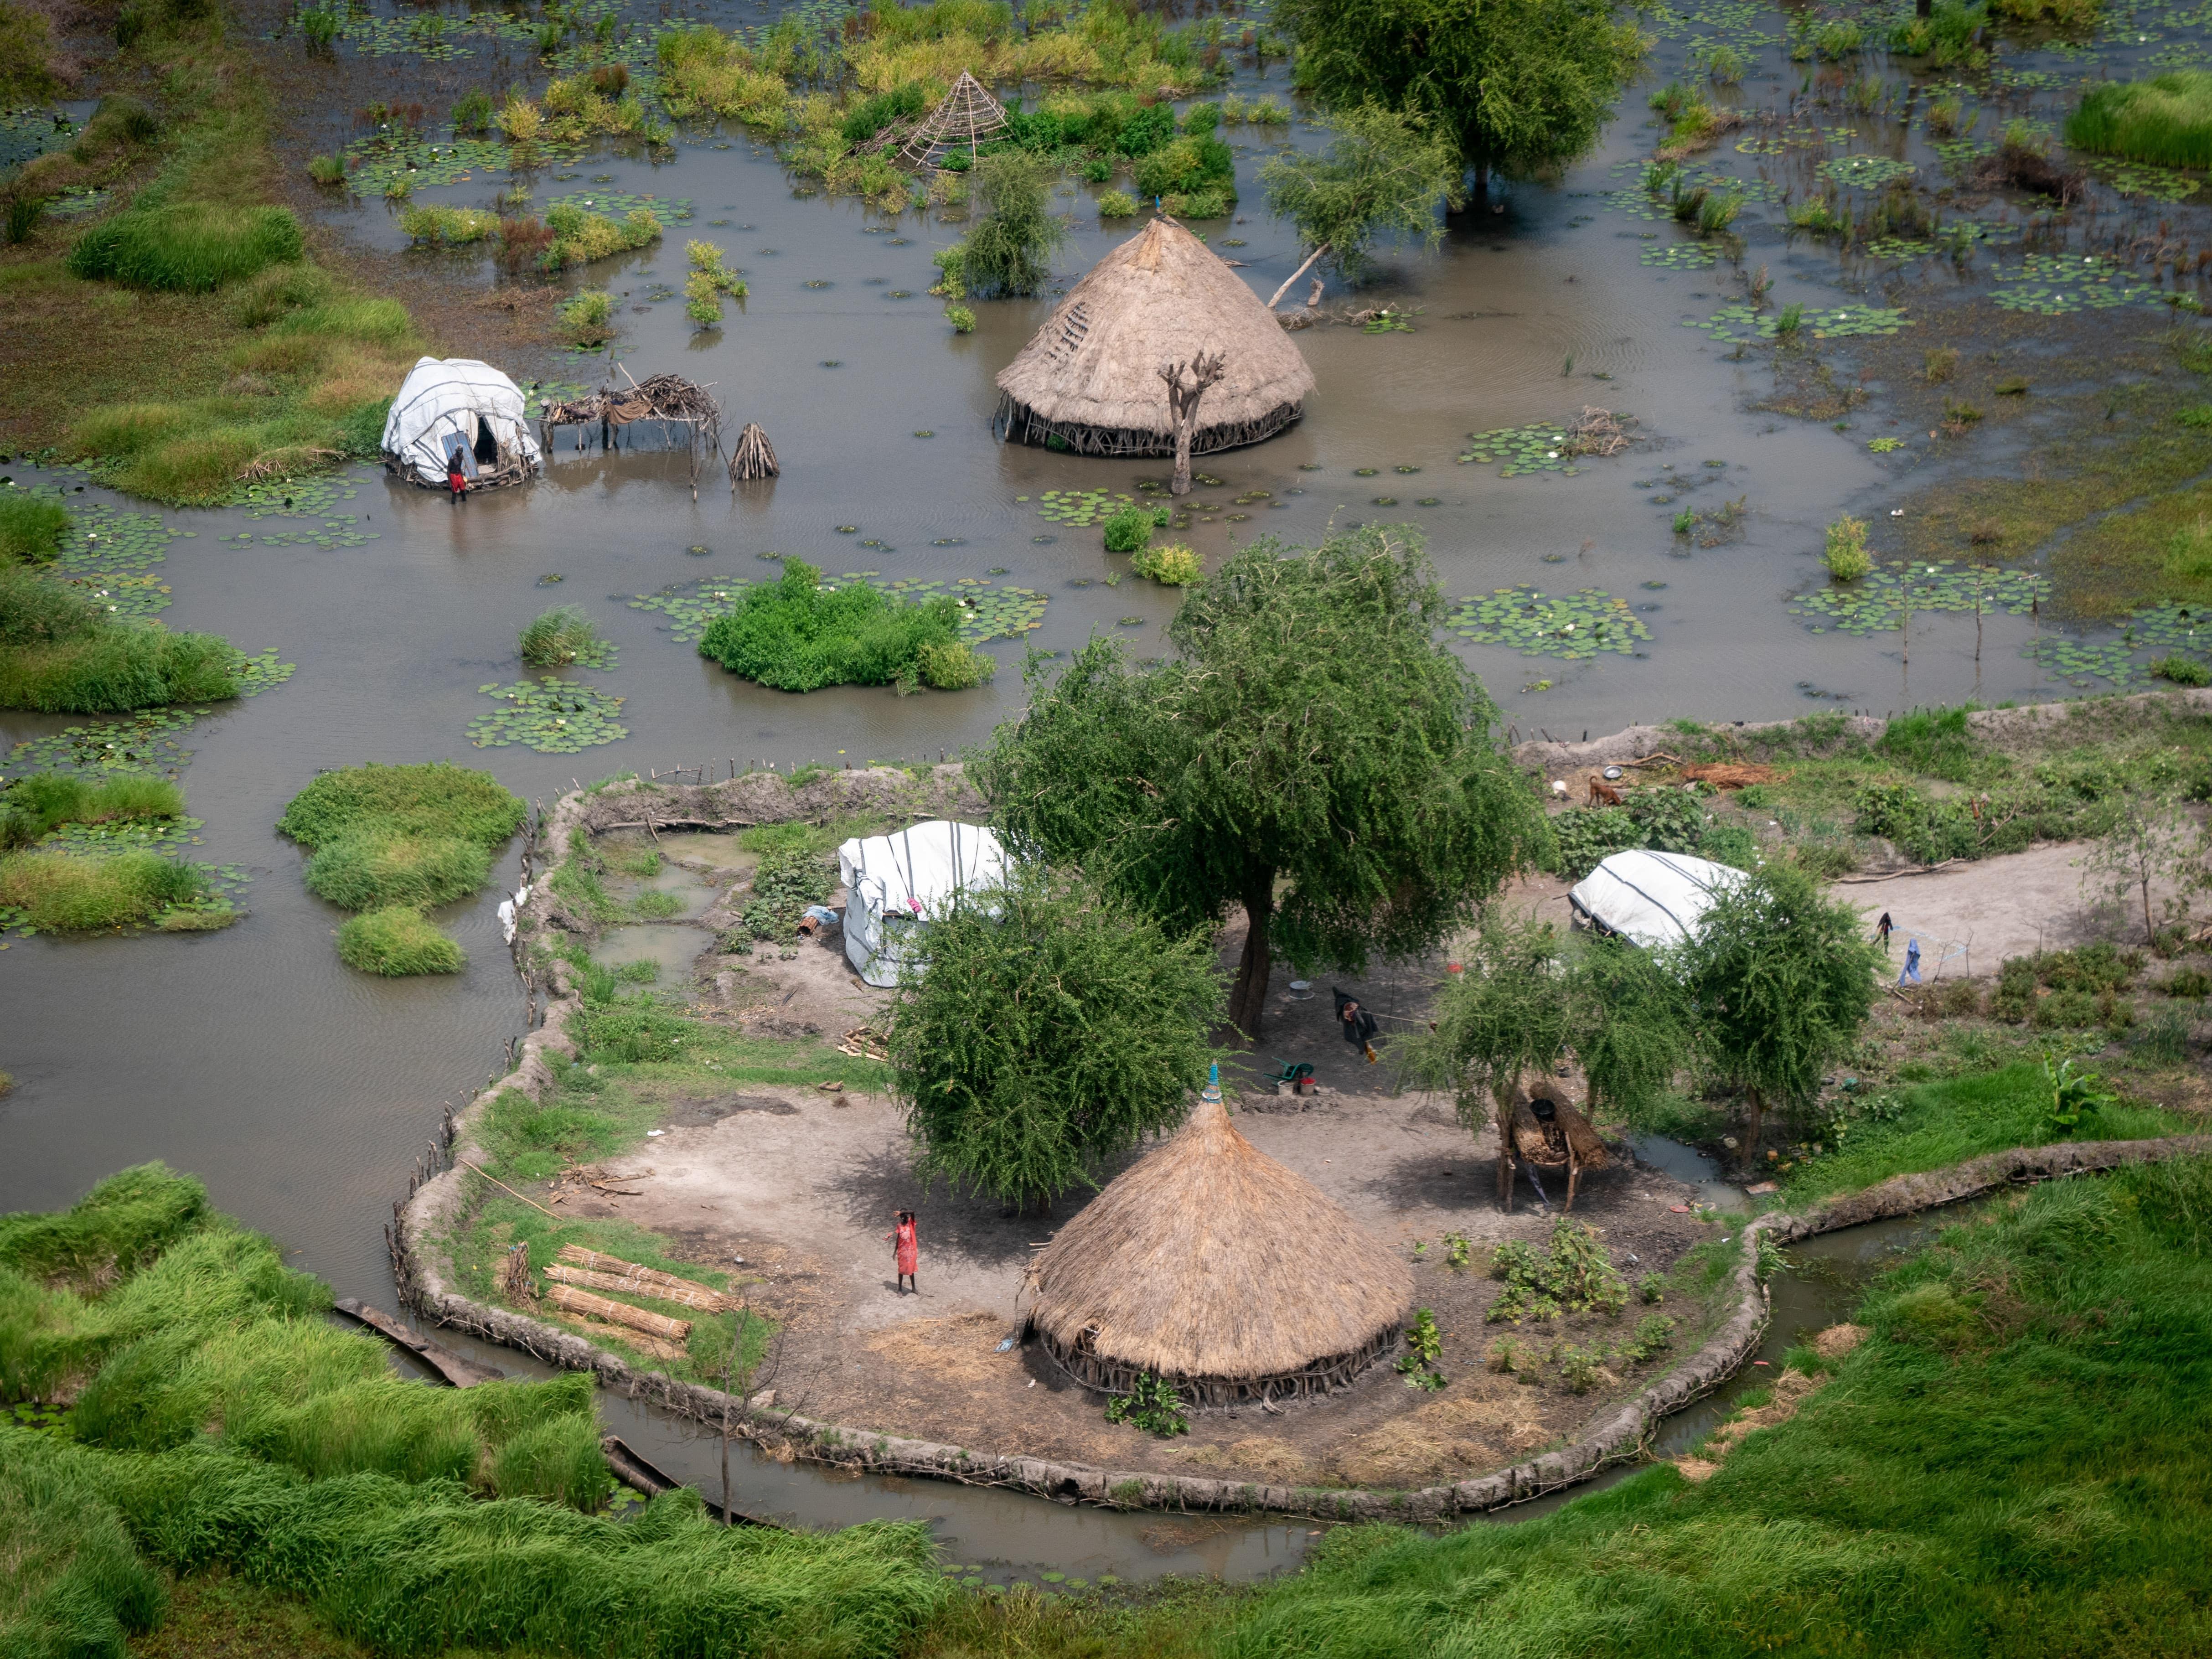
(396,942)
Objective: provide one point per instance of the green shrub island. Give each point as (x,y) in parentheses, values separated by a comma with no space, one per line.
(801,634)
(219,1423)
(103,870)
(392,841)
(1130,531)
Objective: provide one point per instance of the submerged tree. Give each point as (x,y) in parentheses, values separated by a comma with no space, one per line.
(1387,171)
(1009,249)
(1187,383)
(1052,1028)
(1520,85)
(1782,982)
(1312,754)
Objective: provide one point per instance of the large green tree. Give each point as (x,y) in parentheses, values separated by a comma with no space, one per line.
(1782,980)
(1050,1029)
(1311,753)
(1386,170)
(1519,84)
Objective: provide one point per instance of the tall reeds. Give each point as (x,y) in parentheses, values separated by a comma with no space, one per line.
(191,247)
(2167,119)
(32,526)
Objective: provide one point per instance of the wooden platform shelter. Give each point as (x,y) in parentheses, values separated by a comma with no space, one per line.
(669,399)
(962,119)
(1546,1132)
(1091,380)
(1211,1266)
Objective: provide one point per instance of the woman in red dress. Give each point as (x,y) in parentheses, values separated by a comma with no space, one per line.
(906,1251)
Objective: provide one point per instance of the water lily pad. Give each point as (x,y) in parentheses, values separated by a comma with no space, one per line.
(552,716)
(1575,626)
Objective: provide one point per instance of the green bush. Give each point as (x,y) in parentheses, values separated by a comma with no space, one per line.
(797,634)
(1171,567)
(955,666)
(439,798)
(373,869)
(587,318)
(1588,836)
(32,527)
(1116,204)
(398,941)
(1130,531)
(449,226)
(864,120)
(2180,670)
(1009,249)
(785,882)
(2167,119)
(191,247)
(1845,553)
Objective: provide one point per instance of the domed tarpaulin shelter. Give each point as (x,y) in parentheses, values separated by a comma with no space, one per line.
(458,406)
(1091,380)
(1211,1266)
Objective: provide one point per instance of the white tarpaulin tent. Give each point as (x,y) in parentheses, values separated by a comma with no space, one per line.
(1651,898)
(459,405)
(895,884)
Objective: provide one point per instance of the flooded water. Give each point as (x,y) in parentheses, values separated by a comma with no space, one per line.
(302,1091)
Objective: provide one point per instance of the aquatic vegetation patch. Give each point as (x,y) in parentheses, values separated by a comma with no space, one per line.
(621,204)
(1539,448)
(397,942)
(1080,509)
(801,634)
(2056,284)
(2166,120)
(564,636)
(1574,626)
(1745,325)
(1680,256)
(55,891)
(1866,171)
(552,716)
(2159,641)
(987,610)
(1877,602)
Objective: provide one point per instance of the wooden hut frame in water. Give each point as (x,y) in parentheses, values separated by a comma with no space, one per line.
(668,398)
(962,119)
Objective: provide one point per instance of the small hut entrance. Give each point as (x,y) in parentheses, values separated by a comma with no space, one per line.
(460,410)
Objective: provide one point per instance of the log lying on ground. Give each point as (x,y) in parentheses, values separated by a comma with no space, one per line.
(615,1274)
(691,1296)
(571,1300)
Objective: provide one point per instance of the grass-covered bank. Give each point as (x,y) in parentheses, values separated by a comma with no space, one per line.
(202,1415)
(184,342)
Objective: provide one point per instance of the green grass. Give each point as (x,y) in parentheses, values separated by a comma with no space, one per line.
(799,635)
(2166,120)
(32,527)
(398,941)
(439,799)
(194,247)
(61,653)
(1947,1123)
(79,892)
(448,226)
(376,869)
(39,803)
(558,637)
(2017,1461)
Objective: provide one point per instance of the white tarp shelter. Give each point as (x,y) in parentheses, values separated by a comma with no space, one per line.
(459,405)
(895,884)
(1650,898)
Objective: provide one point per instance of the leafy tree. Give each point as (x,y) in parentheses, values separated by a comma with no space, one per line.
(1386,170)
(1526,997)
(1782,982)
(1051,1028)
(1313,755)
(1520,85)
(1009,249)
(2151,840)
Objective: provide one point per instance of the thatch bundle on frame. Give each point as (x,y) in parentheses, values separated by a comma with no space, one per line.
(1213,1267)
(1091,378)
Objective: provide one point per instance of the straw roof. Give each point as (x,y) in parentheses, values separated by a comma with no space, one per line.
(1210,1264)
(1091,378)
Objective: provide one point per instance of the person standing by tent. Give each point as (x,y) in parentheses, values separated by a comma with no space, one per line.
(456,479)
(1359,1025)
(906,1252)
(1881,930)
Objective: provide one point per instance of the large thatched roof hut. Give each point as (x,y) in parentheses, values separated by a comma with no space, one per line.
(1090,380)
(1210,1265)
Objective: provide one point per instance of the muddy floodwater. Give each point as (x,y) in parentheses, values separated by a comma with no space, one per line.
(302,1091)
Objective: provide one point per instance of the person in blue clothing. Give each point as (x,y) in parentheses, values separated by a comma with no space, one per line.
(1912,973)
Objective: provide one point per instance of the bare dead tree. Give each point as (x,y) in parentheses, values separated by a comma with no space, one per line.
(1187,383)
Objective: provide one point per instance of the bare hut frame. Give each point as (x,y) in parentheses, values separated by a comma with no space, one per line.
(964,118)
(1090,379)
(668,398)
(1212,1266)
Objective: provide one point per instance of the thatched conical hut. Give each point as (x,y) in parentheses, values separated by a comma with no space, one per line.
(1090,379)
(1211,1266)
